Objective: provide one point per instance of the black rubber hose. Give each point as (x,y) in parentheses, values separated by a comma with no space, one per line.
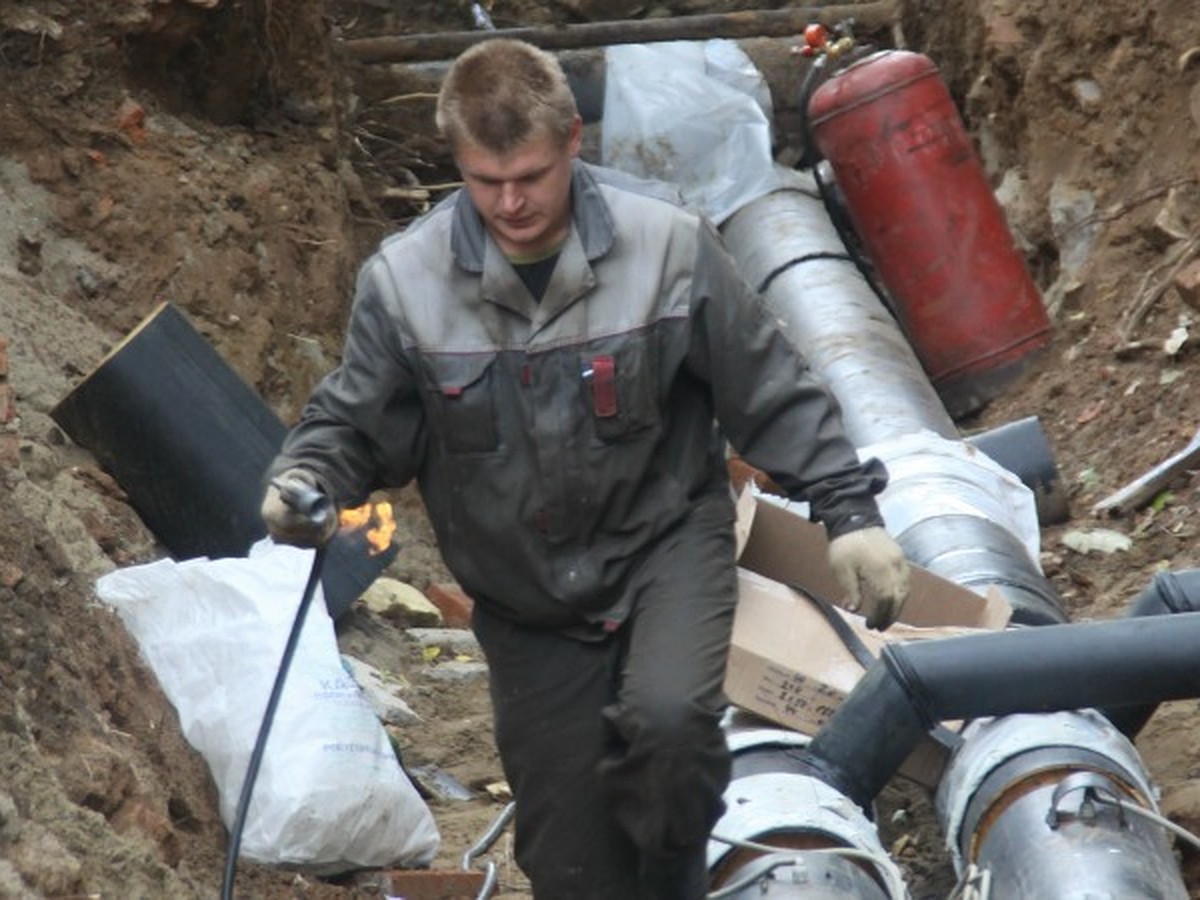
(1050,668)
(289,650)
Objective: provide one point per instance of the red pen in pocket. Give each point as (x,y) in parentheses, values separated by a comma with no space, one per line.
(602,375)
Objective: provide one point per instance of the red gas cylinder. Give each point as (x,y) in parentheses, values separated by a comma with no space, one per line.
(917,196)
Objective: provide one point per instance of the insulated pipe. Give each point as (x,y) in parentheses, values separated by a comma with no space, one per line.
(1169,592)
(1056,805)
(789,836)
(189,441)
(1022,448)
(787,247)
(914,686)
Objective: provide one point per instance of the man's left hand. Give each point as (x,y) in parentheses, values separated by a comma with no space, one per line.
(871,568)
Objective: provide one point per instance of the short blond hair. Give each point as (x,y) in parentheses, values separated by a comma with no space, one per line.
(503,92)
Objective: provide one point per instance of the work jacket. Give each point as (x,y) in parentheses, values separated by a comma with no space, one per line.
(556,441)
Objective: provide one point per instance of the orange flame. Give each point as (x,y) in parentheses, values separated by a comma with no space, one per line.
(376,519)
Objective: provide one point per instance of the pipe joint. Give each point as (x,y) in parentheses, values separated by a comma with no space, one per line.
(1094,789)
(908,679)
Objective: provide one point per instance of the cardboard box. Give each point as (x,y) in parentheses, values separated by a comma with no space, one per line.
(789,664)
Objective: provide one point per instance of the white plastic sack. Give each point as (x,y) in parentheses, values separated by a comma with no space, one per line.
(695,114)
(330,794)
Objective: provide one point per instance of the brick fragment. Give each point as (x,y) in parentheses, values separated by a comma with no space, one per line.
(10,574)
(10,450)
(8,407)
(453,602)
(432,884)
(742,473)
(1187,282)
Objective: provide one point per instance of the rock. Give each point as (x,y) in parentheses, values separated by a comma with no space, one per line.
(456,671)
(1101,540)
(1181,804)
(10,818)
(438,783)
(1088,94)
(1168,226)
(1072,213)
(499,791)
(452,640)
(401,603)
(382,692)
(1187,282)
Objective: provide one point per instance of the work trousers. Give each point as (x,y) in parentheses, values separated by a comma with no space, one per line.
(613,747)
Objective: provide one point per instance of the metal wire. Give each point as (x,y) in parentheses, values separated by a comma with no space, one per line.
(481,846)
(1150,815)
(892,883)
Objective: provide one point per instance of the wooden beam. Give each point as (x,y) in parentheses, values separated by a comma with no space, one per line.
(402,48)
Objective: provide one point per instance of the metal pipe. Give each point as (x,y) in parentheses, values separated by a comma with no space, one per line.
(868,17)
(837,321)
(786,245)
(786,834)
(1052,668)
(1054,806)
(790,250)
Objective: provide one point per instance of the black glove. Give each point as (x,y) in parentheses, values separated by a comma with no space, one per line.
(296,510)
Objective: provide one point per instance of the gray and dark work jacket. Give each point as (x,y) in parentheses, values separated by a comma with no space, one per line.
(555,442)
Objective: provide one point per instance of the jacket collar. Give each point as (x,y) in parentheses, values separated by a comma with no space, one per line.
(590,220)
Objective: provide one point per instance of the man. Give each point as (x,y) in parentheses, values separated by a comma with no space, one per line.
(546,352)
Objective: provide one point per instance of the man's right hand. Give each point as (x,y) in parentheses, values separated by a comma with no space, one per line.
(288,524)
(872,570)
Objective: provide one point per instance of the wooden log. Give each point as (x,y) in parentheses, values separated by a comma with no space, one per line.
(751,23)
(189,441)
(586,73)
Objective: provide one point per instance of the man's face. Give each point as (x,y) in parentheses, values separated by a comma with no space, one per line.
(524,196)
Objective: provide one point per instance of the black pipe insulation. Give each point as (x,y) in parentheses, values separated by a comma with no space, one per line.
(1168,593)
(867,738)
(1023,449)
(914,686)
(189,441)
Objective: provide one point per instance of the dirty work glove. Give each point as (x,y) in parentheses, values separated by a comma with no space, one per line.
(289,513)
(871,568)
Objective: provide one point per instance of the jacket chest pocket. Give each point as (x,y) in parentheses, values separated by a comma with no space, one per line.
(461,401)
(620,388)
